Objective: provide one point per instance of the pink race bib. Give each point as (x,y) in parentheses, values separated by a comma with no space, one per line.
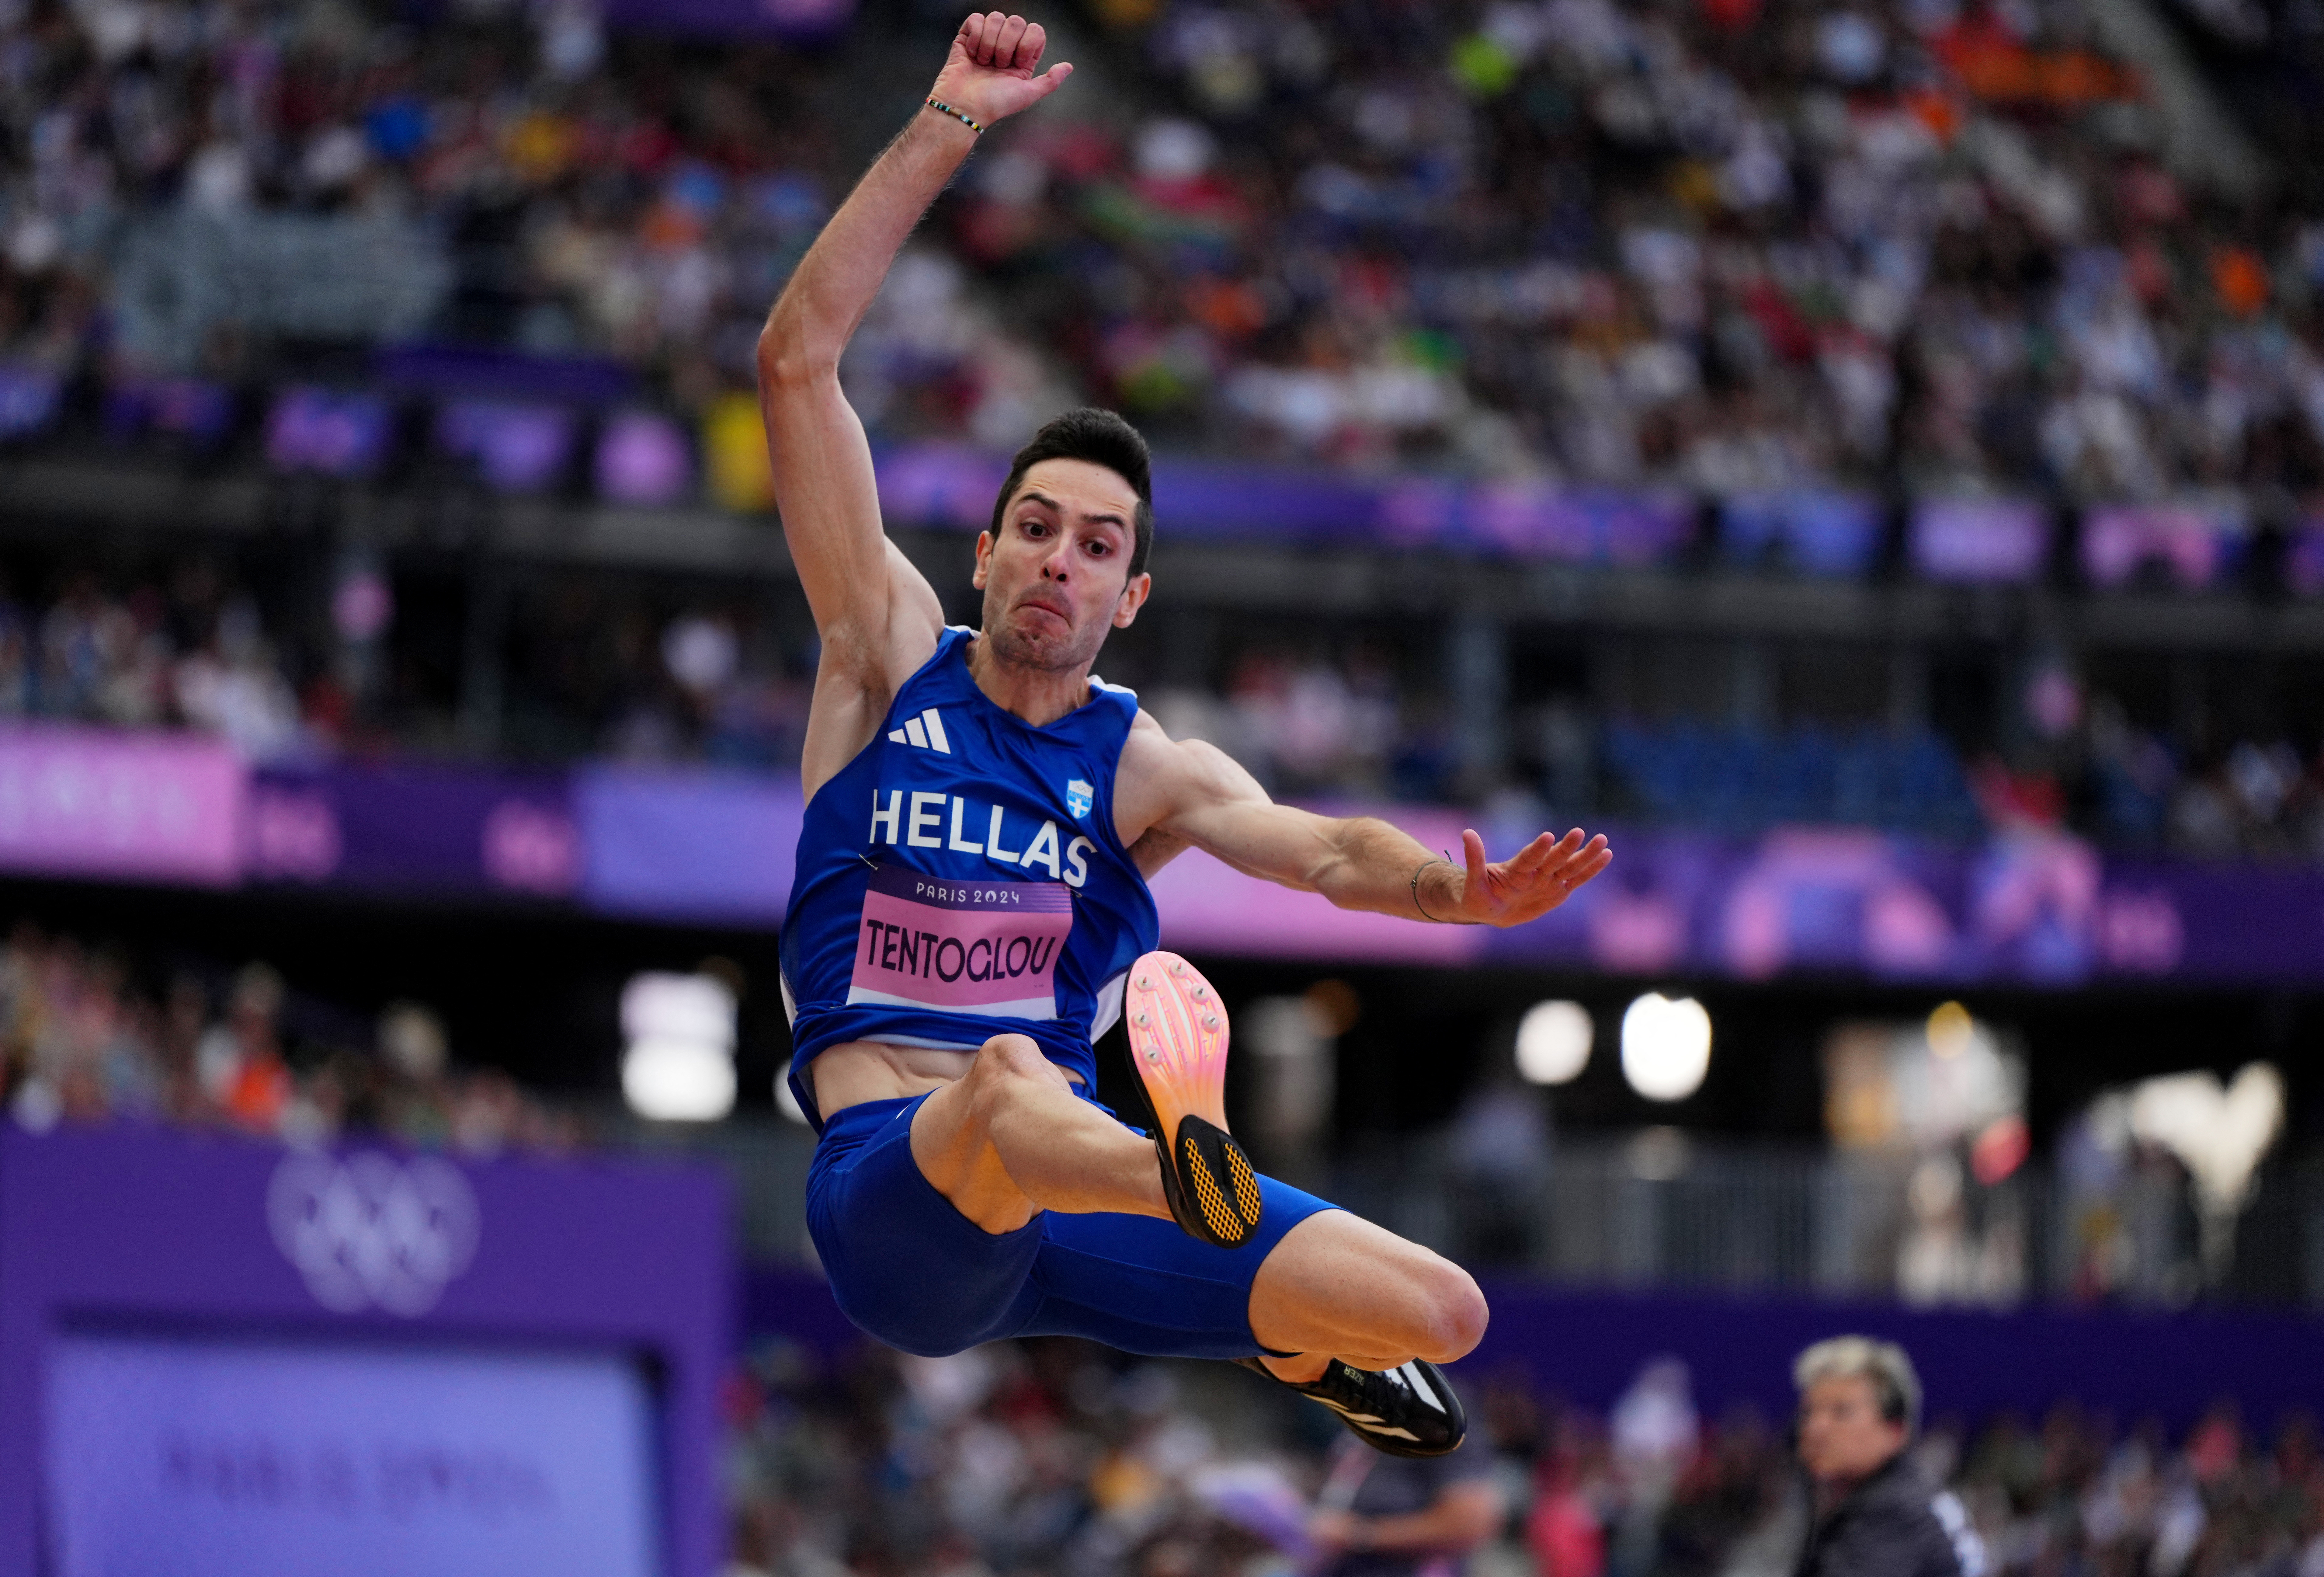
(987,947)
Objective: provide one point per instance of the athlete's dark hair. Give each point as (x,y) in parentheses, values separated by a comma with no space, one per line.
(1104,439)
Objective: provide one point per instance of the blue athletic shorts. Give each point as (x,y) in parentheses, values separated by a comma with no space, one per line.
(913,1271)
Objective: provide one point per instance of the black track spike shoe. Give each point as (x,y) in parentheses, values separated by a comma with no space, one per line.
(1406,1411)
(1178,1044)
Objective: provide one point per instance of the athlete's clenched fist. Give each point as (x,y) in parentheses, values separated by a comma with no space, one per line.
(994,69)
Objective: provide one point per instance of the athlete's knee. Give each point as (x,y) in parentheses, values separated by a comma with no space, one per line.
(1448,1312)
(1006,1067)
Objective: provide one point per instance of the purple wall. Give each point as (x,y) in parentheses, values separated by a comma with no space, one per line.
(167,1232)
(1587,1346)
(704,845)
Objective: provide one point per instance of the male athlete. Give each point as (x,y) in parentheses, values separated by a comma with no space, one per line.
(970,911)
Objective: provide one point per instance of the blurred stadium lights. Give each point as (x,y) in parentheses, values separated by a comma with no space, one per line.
(679,1064)
(1951,1030)
(1926,1086)
(1553,1041)
(2219,1133)
(1666,1047)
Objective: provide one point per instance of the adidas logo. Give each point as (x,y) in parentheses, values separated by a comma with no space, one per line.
(925,732)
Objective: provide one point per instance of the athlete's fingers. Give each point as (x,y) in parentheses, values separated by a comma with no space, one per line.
(988,35)
(1004,48)
(1477,891)
(1587,867)
(1567,846)
(1570,868)
(1029,47)
(1533,855)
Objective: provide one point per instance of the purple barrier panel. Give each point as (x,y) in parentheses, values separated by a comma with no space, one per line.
(118,805)
(794,1305)
(2039,909)
(515,446)
(948,485)
(801,20)
(414,827)
(1210,500)
(2230,923)
(2034,909)
(1805,533)
(257,1360)
(1588,1346)
(2304,558)
(642,458)
(1996,541)
(940,484)
(334,433)
(688,844)
(1579,526)
(29,398)
(443,371)
(2195,543)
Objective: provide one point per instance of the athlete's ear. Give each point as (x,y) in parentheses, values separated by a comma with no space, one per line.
(1133,597)
(983,559)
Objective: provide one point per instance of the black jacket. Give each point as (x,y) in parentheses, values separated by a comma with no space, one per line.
(1895,1524)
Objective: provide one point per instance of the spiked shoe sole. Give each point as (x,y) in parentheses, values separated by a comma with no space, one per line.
(1178,1044)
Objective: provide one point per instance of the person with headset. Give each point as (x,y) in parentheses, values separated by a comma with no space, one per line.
(1874,1514)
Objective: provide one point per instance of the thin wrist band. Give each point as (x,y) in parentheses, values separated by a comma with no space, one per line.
(935,103)
(1416,904)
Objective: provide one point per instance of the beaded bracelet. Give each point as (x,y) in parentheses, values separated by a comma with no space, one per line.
(937,104)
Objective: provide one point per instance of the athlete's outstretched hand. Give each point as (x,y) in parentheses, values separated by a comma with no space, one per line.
(1531,882)
(991,74)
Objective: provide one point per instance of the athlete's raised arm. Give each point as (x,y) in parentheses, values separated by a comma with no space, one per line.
(1168,793)
(877,617)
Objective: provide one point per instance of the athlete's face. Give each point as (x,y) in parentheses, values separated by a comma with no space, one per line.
(1057,576)
(1843,1438)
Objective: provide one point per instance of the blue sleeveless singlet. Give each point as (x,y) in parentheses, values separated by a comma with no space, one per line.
(961,878)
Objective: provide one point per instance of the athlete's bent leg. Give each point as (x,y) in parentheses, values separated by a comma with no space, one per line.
(1011,1139)
(1339,1286)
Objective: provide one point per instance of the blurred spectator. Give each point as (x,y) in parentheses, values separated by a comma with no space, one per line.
(80,1041)
(1405,1516)
(1874,1516)
(193,653)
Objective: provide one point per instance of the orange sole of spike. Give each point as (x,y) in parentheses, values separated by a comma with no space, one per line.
(1177,1039)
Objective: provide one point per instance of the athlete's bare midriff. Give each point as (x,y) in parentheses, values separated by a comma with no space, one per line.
(856,1071)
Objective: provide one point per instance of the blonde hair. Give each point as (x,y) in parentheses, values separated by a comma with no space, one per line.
(1895,1383)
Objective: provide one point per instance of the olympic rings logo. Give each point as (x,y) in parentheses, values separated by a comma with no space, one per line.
(372,1231)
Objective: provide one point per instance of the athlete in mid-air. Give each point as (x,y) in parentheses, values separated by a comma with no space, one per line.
(971,912)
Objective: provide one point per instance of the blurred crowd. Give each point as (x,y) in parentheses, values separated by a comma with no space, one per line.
(191,652)
(1736,244)
(591,669)
(353,176)
(84,1038)
(597,667)
(1056,1458)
